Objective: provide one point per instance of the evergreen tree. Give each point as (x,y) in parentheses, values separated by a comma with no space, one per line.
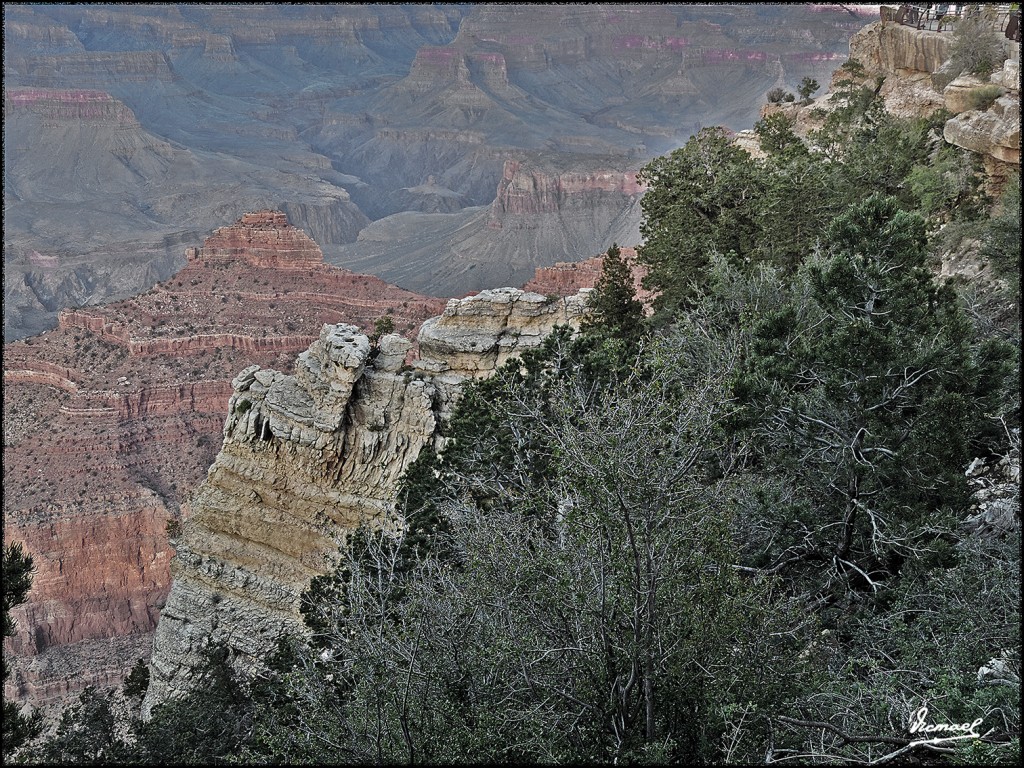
(863,386)
(17,728)
(807,87)
(699,202)
(616,311)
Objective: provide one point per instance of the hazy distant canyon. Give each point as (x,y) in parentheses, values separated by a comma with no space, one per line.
(411,153)
(445,148)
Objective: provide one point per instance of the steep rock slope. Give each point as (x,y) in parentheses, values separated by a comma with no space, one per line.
(338,114)
(308,457)
(540,216)
(113,417)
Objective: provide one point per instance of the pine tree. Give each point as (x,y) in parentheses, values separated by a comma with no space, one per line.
(614,304)
(17,728)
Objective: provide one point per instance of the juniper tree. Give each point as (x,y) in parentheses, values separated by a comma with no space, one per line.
(17,728)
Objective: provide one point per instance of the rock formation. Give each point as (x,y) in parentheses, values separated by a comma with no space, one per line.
(308,457)
(992,130)
(540,216)
(114,416)
(336,114)
(909,63)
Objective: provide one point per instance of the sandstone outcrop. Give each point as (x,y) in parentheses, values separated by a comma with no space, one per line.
(308,457)
(567,278)
(890,48)
(114,416)
(992,130)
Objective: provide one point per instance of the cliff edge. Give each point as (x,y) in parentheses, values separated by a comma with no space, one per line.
(309,456)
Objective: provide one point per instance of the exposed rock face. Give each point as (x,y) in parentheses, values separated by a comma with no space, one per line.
(567,278)
(890,48)
(996,507)
(525,190)
(47,246)
(111,418)
(308,457)
(907,57)
(993,132)
(540,216)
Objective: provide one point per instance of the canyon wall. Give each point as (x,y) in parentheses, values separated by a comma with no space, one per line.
(309,456)
(540,215)
(113,417)
(915,76)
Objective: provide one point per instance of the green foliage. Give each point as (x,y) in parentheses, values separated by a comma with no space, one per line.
(949,187)
(778,95)
(87,734)
(738,536)
(17,728)
(205,728)
(977,48)
(863,386)
(807,87)
(776,135)
(597,562)
(17,582)
(138,680)
(382,326)
(982,98)
(616,312)
(699,202)
(1001,243)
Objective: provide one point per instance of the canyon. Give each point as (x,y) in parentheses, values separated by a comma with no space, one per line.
(310,456)
(133,130)
(117,452)
(112,418)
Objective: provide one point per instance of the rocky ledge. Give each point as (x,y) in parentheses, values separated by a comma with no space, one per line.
(309,456)
(113,416)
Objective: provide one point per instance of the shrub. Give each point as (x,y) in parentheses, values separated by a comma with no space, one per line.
(977,48)
(776,95)
(980,99)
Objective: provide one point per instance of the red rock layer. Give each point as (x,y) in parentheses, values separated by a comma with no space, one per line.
(114,416)
(567,278)
(526,190)
(263,239)
(69,105)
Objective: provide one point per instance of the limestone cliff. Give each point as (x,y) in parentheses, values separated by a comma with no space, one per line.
(309,456)
(907,65)
(113,416)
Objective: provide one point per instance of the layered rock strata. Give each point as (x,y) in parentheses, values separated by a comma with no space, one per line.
(910,69)
(309,456)
(112,417)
